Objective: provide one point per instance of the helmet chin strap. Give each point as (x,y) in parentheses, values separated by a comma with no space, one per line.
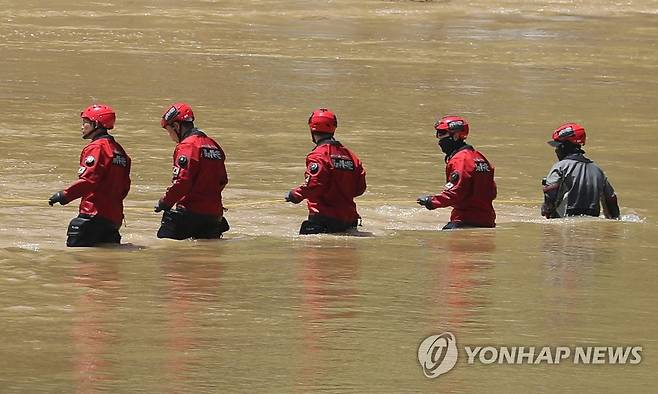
(178,133)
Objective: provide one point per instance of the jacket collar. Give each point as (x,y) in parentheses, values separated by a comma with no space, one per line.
(327,141)
(577,157)
(191,132)
(461,148)
(104,135)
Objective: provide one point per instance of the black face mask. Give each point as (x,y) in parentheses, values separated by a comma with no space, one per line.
(565,149)
(449,145)
(559,152)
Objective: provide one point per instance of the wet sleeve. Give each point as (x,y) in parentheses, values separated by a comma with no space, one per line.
(494,191)
(93,164)
(609,202)
(360,180)
(223,180)
(316,178)
(550,189)
(128,182)
(186,167)
(458,186)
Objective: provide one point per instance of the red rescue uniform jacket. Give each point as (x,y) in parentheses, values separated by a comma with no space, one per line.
(104,179)
(334,176)
(199,175)
(470,188)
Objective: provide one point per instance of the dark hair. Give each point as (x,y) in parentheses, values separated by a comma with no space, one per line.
(567,148)
(322,135)
(187,124)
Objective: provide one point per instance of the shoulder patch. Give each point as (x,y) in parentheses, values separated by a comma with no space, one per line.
(342,163)
(182,161)
(481,166)
(89,161)
(313,168)
(119,160)
(211,153)
(454,177)
(81,170)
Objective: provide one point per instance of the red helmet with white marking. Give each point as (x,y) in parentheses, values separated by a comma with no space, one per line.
(177,112)
(103,115)
(451,125)
(569,132)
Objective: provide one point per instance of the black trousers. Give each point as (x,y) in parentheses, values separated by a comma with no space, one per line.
(583,212)
(87,230)
(317,224)
(180,224)
(456,225)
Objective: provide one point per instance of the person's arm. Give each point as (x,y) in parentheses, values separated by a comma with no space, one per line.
(550,187)
(128,181)
(186,167)
(360,180)
(316,177)
(609,202)
(458,188)
(223,181)
(93,165)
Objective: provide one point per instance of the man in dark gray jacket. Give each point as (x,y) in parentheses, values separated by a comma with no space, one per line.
(575,185)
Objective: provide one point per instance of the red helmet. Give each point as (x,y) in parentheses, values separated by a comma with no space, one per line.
(569,132)
(453,125)
(323,120)
(178,112)
(102,114)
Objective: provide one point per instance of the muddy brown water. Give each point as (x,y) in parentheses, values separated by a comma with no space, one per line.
(267,310)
